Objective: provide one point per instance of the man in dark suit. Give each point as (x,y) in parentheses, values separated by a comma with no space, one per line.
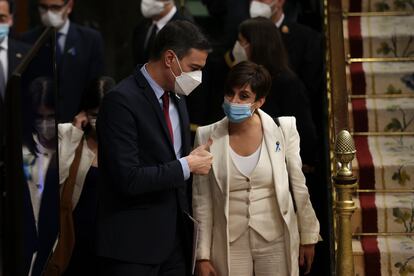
(144,159)
(156,14)
(11,54)
(79,54)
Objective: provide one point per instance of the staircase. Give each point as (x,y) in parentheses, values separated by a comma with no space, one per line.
(379,44)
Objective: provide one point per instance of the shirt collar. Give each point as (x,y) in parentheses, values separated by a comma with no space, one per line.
(157,89)
(65,28)
(163,21)
(280,21)
(4,45)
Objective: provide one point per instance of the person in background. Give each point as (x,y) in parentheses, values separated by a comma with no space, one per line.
(156,13)
(11,54)
(145,160)
(79,53)
(41,194)
(82,133)
(246,205)
(304,47)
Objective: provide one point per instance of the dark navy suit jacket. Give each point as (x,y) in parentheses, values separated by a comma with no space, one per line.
(82,61)
(143,193)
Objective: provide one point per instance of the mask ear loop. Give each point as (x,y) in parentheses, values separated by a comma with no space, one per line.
(179,65)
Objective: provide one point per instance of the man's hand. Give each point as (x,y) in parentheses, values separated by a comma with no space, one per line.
(205,268)
(200,159)
(306,254)
(80,120)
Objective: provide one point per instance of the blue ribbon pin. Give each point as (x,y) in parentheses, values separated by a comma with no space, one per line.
(277,146)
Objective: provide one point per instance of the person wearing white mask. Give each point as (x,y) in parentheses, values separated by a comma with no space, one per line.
(11,54)
(84,199)
(304,47)
(156,14)
(79,53)
(145,160)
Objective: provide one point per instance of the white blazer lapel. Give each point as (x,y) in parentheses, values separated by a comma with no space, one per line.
(219,150)
(275,144)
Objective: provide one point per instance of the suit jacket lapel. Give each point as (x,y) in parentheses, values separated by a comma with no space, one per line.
(220,151)
(272,137)
(152,99)
(184,123)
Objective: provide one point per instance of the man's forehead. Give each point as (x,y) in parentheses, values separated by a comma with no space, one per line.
(52,2)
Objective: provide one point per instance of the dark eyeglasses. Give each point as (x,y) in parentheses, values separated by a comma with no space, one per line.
(53,8)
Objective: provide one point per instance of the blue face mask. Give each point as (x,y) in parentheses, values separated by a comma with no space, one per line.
(237,113)
(4,30)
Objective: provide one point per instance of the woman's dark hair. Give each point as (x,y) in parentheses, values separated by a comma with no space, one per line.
(40,94)
(179,36)
(266,45)
(247,72)
(95,92)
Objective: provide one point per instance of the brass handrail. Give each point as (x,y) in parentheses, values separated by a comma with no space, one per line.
(371,14)
(382,96)
(384,234)
(396,133)
(396,191)
(350,60)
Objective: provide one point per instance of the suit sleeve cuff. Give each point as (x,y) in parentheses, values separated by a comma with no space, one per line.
(308,238)
(185,167)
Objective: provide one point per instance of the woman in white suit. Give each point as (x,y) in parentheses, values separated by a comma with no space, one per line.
(248,223)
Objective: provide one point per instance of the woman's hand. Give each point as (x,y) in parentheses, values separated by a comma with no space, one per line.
(205,268)
(306,254)
(80,120)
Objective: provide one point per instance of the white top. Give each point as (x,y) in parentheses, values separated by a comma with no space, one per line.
(246,164)
(280,21)
(163,21)
(4,45)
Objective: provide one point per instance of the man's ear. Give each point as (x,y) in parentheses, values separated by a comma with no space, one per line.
(260,102)
(168,58)
(70,6)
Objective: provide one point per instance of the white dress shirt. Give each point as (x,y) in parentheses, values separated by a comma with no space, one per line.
(163,21)
(4,61)
(63,31)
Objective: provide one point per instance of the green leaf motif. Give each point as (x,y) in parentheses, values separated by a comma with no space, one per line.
(394,125)
(403,178)
(384,48)
(400,4)
(392,90)
(399,264)
(382,6)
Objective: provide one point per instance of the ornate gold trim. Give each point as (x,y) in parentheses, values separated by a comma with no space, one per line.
(193,127)
(384,234)
(382,96)
(370,14)
(350,60)
(396,191)
(396,133)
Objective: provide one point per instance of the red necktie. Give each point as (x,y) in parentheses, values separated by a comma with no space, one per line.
(166,107)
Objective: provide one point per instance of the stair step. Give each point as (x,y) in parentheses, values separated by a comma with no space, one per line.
(375,6)
(395,256)
(384,162)
(379,36)
(384,115)
(381,77)
(393,212)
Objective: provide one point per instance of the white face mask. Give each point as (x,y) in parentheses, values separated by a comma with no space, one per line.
(258,9)
(46,129)
(52,19)
(187,81)
(239,53)
(150,8)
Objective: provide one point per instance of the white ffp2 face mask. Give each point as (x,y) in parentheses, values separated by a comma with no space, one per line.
(52,19)
(187,81)
(150,8)
(239,53)
(258,9)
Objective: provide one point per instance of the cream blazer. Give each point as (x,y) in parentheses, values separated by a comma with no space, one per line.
(211,192)
(69,139)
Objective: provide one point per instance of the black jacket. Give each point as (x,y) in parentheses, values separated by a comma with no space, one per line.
(143,192)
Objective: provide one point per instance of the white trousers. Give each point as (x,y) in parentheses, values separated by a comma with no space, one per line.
(252,255)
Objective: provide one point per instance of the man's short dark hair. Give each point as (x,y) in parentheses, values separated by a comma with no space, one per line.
(248,72)
(11,5)
(179,36)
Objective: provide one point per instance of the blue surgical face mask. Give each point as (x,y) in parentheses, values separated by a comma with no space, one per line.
(237,113)
(4,31)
